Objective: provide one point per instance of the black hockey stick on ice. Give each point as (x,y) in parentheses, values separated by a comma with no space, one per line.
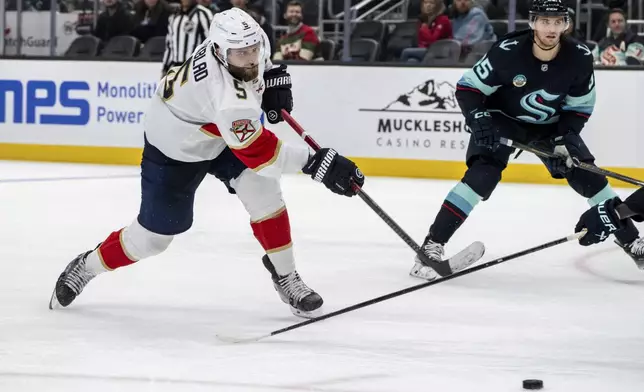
(459,261)
(406,291)
(575,162)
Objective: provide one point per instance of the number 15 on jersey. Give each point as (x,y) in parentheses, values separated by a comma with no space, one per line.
(483,68)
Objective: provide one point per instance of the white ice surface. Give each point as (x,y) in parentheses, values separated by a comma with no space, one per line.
(571,316)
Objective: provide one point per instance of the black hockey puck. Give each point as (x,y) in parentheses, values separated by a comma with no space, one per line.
(532,384)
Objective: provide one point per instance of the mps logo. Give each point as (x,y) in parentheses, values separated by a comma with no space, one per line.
(426,116)
(243,130)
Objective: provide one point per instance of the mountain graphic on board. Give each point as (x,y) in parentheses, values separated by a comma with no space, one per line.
(429,95)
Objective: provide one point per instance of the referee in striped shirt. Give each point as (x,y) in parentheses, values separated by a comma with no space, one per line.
(186,30)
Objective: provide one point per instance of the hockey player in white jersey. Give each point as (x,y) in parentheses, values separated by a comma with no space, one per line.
(207,117)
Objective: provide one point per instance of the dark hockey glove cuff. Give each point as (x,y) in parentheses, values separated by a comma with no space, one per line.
(277,95)
(336,172)
(600,221)
(484,132)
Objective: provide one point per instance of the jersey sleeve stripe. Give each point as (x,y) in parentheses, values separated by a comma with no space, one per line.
(584,104)
(271,161)
(262,152)
(211,130)
(463,88)
(470,79)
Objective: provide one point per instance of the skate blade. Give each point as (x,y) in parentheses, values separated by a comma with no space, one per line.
(307,315)
(429,275)
(53,301)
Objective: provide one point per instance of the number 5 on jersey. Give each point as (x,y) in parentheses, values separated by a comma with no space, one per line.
(173,74)
(483,68)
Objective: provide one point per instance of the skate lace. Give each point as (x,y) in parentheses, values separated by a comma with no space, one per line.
(637,247)
(294,287)
(78,278)
(434,251)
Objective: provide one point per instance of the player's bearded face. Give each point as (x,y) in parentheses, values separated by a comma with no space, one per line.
(548,30)
(243,63)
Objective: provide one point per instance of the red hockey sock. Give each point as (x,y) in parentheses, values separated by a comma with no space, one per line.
(112,252)
(274,231)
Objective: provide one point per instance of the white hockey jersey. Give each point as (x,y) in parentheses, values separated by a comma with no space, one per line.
(199,109)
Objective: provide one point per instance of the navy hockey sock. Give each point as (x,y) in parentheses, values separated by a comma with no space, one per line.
(458,204)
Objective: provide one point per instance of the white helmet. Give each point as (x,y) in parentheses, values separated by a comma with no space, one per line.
(235,29)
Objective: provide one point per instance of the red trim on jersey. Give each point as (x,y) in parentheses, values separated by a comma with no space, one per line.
(112,252)
(261,152)
(211,130)
(274,231)
(459,87)
(584,115)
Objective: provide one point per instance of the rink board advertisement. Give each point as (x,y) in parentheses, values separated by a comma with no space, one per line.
(394,121)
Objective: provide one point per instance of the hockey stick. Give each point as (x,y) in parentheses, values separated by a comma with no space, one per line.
(575,162)
(407,290)
(459,261)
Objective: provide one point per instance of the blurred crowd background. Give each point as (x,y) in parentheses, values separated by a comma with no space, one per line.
(431,32)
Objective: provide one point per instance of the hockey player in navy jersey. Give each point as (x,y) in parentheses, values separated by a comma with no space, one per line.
(537,87)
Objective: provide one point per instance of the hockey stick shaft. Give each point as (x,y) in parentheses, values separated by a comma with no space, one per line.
(576,162)
(443,269)
(424,285)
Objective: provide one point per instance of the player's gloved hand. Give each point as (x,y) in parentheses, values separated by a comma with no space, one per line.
(485,133)
(600,221)
(335,171)
(566,147)
(277,95)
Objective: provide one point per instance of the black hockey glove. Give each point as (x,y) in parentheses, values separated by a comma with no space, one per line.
(600,221)
(277,95)
(566,146)
(485,133)
(335,171)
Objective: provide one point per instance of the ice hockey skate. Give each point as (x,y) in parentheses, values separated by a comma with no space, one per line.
(434,251)
(71,282)
(303,301)
(635,249)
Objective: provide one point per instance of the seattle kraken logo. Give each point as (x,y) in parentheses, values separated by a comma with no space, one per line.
(533,103)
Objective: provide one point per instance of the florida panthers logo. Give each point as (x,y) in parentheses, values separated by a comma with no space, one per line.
(243,129)
(536,103)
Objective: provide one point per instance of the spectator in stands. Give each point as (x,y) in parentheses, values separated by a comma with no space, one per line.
(257,12)
(112,22)
(571,31)
(150,19)
(210,5)
(620,45)
(301,42)
(433,25)
(470,24)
